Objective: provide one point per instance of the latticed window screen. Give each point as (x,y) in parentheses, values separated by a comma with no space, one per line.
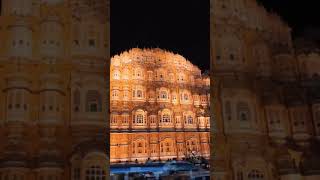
(166,118)
(95,173)
(186,97)
(16,99)
(239,176)
(116,74)
(93,101)
(125,118)
(114,118)
(255,175)
(139,118)
(139,93)
(189,119)
(163,94)
(243,111)
(76,174)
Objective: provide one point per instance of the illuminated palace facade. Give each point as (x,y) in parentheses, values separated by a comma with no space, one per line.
(53,92)
(267,96)
(159,107)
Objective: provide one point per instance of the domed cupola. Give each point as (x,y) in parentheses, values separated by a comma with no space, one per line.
(51,37)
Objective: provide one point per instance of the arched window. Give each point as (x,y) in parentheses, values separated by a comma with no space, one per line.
(192,145)
(139,118)
(50,103)
(139,94)
(125,118)
(114,118)
(243,111)
(203,98)
(51,32)
(138,73)
(153,148)
(116,74)
(115,94)
(181,77)
(255,175)
(21,41)
(76,100)
(189,119)
(185,96)
(299,119)
(95,172)
(93,101)
(152,119)
(76,173)
(166,147)
(139,146)
(17,100)
(163,95)
(161,75)
(178,119)
(274,118)
(174,97)
(90,166)
(232,46)
(166,118)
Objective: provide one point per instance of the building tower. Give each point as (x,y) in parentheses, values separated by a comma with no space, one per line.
(159,107)
(53,89)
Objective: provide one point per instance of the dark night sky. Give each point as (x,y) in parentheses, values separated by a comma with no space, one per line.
(178,26)
(183,26)
(299,14)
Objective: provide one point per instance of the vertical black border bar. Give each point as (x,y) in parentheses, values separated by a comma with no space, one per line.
(107,76)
